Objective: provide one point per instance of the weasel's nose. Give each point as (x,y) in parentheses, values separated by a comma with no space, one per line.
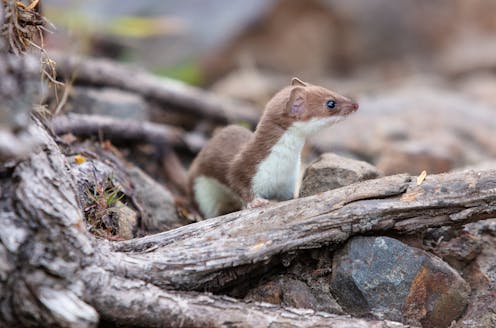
(355,106)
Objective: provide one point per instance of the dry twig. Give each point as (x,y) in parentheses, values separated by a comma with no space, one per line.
(173,95)
(126,130)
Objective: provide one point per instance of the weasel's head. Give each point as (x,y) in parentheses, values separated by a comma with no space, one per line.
(312,107)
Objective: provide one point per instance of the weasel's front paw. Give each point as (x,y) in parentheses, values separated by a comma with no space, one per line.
(258,202)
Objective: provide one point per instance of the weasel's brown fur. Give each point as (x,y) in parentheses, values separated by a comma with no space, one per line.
(234,153)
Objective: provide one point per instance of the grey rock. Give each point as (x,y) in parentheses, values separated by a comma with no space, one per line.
(460,250)
(109,102)
(481,274)
(127,220)
(157,203)
(284,291)
(383,277)
(331,171)
(291,292)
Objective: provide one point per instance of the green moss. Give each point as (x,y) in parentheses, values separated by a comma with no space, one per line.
(188,72)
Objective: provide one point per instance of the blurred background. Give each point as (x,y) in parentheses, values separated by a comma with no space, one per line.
(424,71)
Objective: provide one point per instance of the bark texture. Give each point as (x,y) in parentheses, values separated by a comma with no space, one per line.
(121,130)
(199,256)
(172,94)
(44,243)
(111,294)
(53,273)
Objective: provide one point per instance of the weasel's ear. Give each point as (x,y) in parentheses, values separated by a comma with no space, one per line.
(296,102)
(297,81)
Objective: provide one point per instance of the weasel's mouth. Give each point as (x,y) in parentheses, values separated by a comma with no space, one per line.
(349,109)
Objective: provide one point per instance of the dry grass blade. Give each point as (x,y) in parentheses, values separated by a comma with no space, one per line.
(421,177)
(23,27)
(20,24)
(32,5)
(100,209)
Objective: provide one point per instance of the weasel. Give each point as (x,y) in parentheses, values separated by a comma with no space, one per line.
(237,167)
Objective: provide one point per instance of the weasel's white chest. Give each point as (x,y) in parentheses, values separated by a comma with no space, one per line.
(277,175)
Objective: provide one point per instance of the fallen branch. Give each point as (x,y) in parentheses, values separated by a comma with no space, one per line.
(121,130)
(219,251)
(109,294)
(54,274)
(170,93)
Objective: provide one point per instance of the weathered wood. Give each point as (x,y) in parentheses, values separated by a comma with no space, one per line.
(43,243)
(198,256)
(109,294)
(162,136)
(170,93)
(54,274)
(119,130)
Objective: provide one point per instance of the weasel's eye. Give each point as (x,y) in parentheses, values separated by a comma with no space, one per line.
(331,104)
